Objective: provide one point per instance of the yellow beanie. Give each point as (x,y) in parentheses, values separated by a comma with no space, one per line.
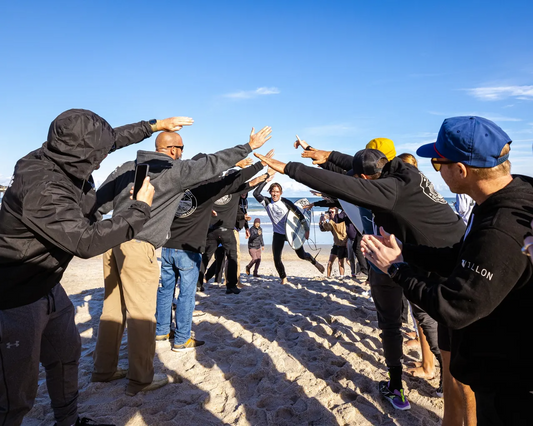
(386,146)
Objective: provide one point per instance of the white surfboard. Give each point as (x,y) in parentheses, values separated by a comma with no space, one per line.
(294,229)
(354,214)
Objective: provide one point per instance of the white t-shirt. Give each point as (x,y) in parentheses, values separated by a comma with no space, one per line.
(464,206)
(277,211)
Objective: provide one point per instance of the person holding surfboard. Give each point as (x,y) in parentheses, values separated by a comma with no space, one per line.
(278,210)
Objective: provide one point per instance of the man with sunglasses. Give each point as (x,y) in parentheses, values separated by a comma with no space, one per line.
(131,271)
(487,297)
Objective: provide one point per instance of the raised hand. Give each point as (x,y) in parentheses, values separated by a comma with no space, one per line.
(244,163)
(258,139)
(318,156)
(172,124)
(276,165)
(301,143)
(269,154)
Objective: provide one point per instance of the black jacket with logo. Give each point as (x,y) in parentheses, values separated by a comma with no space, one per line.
(191,222)
(48,212)
(487,297)
(403,200)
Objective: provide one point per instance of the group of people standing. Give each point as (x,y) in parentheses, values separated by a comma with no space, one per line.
(466,283)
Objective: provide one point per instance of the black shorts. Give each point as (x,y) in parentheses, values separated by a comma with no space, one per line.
(340,251)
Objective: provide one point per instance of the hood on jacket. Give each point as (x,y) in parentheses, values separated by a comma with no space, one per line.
(78,141)
(157,162)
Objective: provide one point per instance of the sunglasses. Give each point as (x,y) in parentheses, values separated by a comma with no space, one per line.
(437,163)
(176,146)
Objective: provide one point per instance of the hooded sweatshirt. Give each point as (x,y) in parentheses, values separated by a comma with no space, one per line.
(487,297)
(48,212)
(170,179)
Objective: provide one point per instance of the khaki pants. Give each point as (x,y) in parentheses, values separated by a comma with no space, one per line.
(131,277)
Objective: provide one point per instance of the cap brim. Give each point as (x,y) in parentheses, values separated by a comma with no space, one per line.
(428,151)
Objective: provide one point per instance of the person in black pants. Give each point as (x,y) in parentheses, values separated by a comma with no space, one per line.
(277,209)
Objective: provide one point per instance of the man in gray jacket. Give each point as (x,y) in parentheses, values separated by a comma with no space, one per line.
(131,271)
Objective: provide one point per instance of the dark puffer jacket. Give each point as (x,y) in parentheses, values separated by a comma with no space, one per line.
(48,212)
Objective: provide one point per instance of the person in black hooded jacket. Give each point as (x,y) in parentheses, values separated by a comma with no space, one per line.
(47,217)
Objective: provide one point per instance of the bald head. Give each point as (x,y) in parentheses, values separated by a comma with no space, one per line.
(169,143)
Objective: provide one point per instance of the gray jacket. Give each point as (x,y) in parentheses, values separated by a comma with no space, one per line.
(170,179)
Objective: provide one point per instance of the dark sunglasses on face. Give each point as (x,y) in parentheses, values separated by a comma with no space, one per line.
(438,162)
(176,146)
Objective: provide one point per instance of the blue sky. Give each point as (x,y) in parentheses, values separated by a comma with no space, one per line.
(337,73)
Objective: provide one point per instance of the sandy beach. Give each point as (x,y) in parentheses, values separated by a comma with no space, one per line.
(306,353)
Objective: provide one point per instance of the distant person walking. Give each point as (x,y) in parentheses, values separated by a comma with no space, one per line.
(255,246)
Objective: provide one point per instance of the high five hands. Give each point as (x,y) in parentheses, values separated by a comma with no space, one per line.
(276,165)
(318,156)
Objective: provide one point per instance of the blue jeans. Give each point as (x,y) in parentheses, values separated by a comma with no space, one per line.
(185,265)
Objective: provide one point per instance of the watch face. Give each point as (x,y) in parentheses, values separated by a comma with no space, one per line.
(152,122)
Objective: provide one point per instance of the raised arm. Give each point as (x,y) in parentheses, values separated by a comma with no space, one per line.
(212,165)
(134,133)
(371,194)
(60,220)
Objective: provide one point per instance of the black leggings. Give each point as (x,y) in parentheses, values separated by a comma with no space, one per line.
(278,241)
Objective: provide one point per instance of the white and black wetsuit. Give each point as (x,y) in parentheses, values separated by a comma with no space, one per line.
(277,212)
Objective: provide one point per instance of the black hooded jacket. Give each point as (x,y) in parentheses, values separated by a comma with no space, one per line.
(487,297)
(48,212)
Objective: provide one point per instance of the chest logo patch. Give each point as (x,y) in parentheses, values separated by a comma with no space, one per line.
(430,191)
(222,201)
(187,205)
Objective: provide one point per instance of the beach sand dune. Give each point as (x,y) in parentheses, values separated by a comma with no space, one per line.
(306,353)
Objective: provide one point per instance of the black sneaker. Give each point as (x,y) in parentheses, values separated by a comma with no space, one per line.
(232,290)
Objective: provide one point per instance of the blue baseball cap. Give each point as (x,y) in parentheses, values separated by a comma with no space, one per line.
(473,141)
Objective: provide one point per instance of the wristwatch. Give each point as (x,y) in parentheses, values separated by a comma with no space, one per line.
(394,268)
(152,123)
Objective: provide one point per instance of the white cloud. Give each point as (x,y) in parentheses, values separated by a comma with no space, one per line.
(248,94)
(502,92)
(330,130)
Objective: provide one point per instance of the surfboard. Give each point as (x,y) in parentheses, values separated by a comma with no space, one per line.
(294,229)
(354,214)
